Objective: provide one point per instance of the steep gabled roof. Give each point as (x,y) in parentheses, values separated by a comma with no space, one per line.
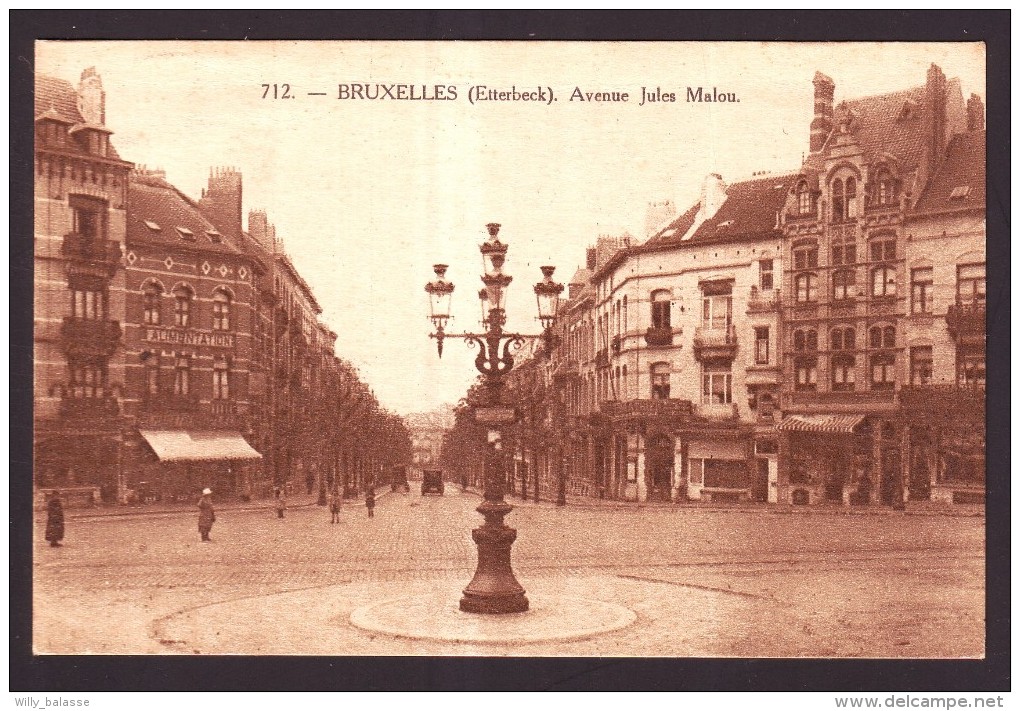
(155,211)
(751,211)
(959,183)
(675,229)
(57,99)
(890,123)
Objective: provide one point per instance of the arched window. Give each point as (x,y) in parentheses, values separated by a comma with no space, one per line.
(660,309)
(150,303)
(221,311)
(838,201)
(660,381)
(182,306)
(805,204)
(806,287)
(625,313)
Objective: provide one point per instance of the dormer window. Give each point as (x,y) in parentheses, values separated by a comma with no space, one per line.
(959,192)
(214,236)
(805,200)
(186,234)
(153,226)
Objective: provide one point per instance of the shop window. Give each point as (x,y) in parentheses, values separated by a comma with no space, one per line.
(970,283)
(761,345)
(883,371)
(221,311)
(716,383)
(660,381)
(920,365)
(660,309)
(921,290)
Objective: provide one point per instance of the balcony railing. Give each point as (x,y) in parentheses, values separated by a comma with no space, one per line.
(659,336)
(602,358)
(89,337)
(103,253)
(616,344)
(715,342)
(664,407)
(966,321)
(223,407)
(717,411)
(843,399)
(763,300)
(101,406)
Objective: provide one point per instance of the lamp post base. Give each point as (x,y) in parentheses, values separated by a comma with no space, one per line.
(494,589)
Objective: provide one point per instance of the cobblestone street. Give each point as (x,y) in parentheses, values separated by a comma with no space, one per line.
(720,582)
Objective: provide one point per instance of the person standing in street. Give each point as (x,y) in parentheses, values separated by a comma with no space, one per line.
(370,501)
(206,515)
(281,502)
(54,519)
(334,505)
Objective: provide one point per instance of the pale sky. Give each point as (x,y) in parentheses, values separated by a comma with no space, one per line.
(367,195)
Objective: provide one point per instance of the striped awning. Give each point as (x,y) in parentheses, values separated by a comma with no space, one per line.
(185,446)
(831,424)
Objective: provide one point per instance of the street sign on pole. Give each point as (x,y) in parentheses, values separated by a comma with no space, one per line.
(495,415)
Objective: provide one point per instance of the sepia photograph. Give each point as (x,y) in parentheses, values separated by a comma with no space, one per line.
(509,349)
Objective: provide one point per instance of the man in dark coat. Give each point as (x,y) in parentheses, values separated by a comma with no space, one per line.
(370,501)
(206,515)
(54,519)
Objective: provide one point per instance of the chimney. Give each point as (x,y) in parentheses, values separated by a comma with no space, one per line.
(975,113)
(221,201)
(713,195)
(590,256)
(92,98)
(258,225)
(935,117)
(821,126)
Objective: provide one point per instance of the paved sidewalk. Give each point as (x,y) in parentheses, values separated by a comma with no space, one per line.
(293,502)
(913,508)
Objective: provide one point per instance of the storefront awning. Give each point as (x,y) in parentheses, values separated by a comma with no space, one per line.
(830,424)
(185,446)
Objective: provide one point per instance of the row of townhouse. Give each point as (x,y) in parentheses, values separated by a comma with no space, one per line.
(800,338)
(173,349)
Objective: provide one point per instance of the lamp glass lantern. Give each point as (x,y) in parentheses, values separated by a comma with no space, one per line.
(440,293)
(493,252)
(547,293)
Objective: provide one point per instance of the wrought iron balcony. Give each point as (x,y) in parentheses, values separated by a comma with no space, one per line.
(966,321)
(104,254)
(104,405)
(712,343)
(89,337)
(659,336)
(659,407)
(762,300)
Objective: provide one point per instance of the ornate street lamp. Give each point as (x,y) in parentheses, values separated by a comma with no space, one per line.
(494,588)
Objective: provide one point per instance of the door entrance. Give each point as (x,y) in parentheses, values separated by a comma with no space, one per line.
(659,461)
(760,485)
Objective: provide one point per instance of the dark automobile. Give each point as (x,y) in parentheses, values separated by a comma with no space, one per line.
(432,482)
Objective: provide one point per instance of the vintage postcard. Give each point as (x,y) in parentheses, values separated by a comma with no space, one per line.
(509,349)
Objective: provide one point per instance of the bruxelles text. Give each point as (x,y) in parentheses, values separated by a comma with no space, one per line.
(536,94)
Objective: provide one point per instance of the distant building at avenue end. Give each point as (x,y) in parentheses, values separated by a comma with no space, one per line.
(811,337)
(174,350)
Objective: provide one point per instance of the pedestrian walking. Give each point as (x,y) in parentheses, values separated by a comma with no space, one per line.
(370,501)
(206,515)
(334,505)
(54,519)
(281,502)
